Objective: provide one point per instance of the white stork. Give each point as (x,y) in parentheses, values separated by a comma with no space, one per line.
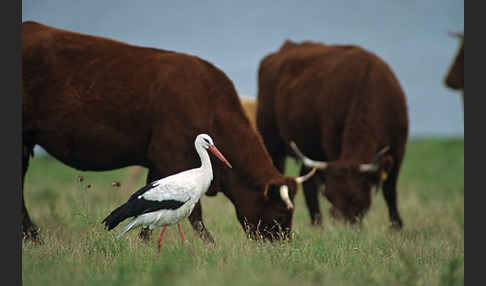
(169,200)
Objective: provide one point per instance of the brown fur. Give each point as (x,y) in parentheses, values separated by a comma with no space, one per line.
(99,104)
(249,106)
(340,104)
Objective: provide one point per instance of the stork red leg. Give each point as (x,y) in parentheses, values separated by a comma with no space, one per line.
(182,233)
(161,236)
(184,239)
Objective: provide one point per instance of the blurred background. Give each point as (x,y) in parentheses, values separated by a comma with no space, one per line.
(410,35)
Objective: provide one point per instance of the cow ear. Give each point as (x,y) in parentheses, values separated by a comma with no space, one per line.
(284,192)
(293,186)
(272,186)
(385,164)
(270,191)
(266,191)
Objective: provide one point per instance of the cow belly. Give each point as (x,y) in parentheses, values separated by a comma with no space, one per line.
(95,153)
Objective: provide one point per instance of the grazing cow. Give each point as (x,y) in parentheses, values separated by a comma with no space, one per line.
(99,104)
(341,104)
(455,77)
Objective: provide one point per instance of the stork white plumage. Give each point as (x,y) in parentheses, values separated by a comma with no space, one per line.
(169,200)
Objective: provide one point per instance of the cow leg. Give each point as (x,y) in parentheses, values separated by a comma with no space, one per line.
(146,232)
(277,151)
(279,160)
(273,141)
(311,191)
(29,230)
(198,225)
(390,194)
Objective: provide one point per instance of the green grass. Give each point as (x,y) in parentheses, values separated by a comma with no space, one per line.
(76,250)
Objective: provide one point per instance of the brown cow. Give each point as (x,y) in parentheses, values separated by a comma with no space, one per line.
(455,77)
(99,104)
(341,104)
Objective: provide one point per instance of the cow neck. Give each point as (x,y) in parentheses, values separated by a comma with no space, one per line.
(358,154)
(357,145)
(249,156)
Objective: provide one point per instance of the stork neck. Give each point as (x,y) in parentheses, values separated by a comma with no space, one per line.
(205,161)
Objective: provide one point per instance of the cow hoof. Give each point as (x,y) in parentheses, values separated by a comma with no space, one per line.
(396,225)
(200,229)
(31,233)
(206,237)
(317,222)
(145,235)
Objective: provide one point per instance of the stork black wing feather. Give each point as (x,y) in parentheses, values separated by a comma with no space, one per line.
(136,207)
(142,190)
(141,206)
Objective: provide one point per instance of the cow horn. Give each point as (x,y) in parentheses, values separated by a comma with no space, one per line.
(365,168)
(305,177)
(305,160)
(373,167)
(284,194)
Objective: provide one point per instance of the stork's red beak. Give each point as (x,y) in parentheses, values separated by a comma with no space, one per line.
(218,154)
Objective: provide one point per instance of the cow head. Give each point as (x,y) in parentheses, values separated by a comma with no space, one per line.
(266,211)
(347,185)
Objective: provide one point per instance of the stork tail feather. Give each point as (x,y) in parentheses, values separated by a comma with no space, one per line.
(116,216)
(126,228)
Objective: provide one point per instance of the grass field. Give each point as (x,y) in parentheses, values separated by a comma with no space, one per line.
(78,251)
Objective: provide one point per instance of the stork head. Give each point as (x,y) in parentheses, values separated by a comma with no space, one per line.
(206,142)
